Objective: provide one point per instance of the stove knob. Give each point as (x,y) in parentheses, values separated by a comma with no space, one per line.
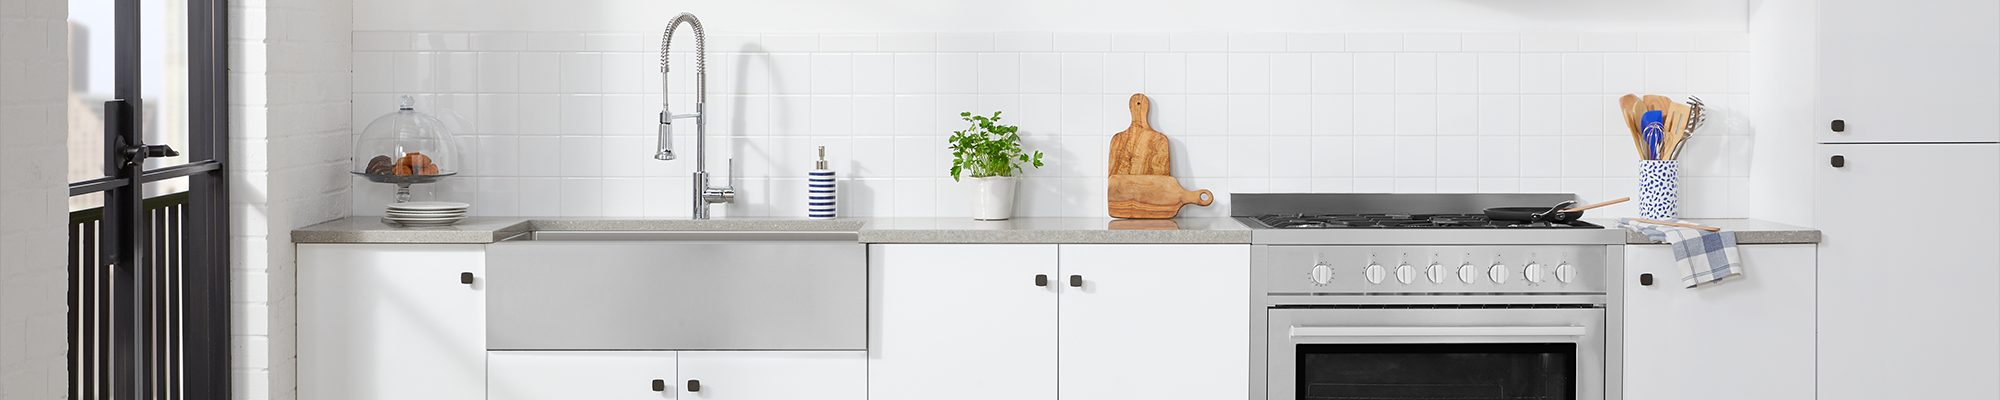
(1565,273)
(1435,273)
(1467,274)
(1498,273)
(1405,274)
(1376,273)
(1534,272)
(1322,274)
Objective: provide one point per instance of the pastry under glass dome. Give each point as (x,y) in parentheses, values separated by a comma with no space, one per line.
(406,147)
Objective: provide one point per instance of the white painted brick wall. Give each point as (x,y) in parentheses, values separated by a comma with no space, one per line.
(289,139)
(33,194)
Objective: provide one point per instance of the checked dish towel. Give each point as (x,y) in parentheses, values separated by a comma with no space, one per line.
(1704,257)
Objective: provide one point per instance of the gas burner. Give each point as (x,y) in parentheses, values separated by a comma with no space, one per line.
(1405,221)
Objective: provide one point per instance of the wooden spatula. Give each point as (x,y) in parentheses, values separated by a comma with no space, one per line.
(1628,107)
(1140,150)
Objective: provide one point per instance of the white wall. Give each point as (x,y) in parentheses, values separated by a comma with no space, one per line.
(874,16)
(33,192)
(560,123)
(289,132)
(1783,63)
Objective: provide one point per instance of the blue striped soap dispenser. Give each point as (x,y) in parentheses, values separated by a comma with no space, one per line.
(820,189)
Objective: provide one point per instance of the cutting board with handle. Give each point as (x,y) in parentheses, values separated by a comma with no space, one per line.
(1141,184)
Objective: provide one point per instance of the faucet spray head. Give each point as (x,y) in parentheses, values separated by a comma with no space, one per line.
(666,138)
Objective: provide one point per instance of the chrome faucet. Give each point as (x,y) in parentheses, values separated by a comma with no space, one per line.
(703,194)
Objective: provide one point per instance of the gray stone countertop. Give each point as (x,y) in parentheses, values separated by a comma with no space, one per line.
(915,230)
(1748,231)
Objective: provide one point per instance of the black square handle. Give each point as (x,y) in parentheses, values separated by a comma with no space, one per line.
(1645,279)
(1838,161)
(659,385)
(465,278)
(1041,280)
(694,385)
(1839,125)
(1076,281)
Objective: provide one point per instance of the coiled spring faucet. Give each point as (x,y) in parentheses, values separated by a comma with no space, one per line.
(703,194)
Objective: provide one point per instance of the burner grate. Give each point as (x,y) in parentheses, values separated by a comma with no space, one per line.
(1405,221)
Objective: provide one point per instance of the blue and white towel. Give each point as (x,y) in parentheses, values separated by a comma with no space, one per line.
(1703,256)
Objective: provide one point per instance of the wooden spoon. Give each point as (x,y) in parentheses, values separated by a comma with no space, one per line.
(1629,106)
(1596,205)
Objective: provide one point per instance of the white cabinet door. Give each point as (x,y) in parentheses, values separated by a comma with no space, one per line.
(1899,71)
(1155,322)
(1907,280)
(594,375)
(963,322)
(381,322)
(1750,337)
(774,375)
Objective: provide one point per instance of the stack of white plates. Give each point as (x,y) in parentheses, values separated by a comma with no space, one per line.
(426,213)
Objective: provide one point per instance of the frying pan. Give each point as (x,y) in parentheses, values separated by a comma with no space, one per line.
(1562,212)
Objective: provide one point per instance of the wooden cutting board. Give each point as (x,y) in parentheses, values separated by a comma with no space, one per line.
(1142,183)
(1140,150)
(1152,196)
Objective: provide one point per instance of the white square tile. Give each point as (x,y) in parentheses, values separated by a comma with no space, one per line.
(1332,156)
(415,72)
(582,73)
(1500,185)
(1416,114)
(1249,156)
(541,156)
(582,156)
(1541,114)
(914,116)
(1501,156)
(1607,42)
(1374,114)
(1208,114)
(1081,114)
(832,74)
(1431,42)
(630,114)
(540,197)
(1291,114)
(907,42)
(1499,73)
(1416,73)
(1458,73)
(1249,73)
(1582,157)
(1458,156)
(874,73)
(958,73)
(1166,73)
(1249,115)
(1624,73)
(1374,42)
(1708,73)
(916,73)
(791,116)
(916,197)
(374,72)
(1584,115)
(1332,115)
(1040,73)
(1540,157)
(1207,73)
(1541,73)
(1416,157)
(1023,42)
(582,115)
(1290,156)
(873,115)
(1549,42)
(832,115)
(1374,156)
(964,42)
(1256,42)
(873,157)
(1080,156)
(458,72)
(1201,156)
(1039,114)
(582,197)
(498,72)
(846,43)
(624,197)
(1082,73)
(540,114)
(999,73)
(1374,185)
(1290,74)
(1333,185)
(1457,185)
(790,74)
(1458,114)
(1203,42)
(540,72)
(1491,42)
(1499,115)
(1375,73)
(1666,73)
(500,114)
(1582,73)
(1125,73)
(626,73)
(1332,73)
(626,156)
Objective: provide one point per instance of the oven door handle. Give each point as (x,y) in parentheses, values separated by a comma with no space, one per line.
(1436,331)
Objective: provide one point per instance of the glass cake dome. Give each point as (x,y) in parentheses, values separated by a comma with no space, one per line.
(406,147)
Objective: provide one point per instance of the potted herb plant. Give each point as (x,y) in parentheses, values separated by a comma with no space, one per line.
(991,153)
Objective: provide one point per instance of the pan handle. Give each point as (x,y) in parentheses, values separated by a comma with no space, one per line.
(1597,205)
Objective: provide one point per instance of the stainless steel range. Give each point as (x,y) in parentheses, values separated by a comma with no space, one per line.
(1420,296)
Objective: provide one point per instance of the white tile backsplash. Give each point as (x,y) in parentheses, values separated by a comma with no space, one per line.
(562,124)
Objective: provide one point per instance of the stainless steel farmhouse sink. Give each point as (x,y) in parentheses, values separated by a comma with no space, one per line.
(679,285)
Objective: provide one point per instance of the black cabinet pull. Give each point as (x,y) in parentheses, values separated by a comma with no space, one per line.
(1076,281)
(1840,125)
(1645,279)
(1838,161)
(1041,280)
(659,385)
(465,278)
(694,385)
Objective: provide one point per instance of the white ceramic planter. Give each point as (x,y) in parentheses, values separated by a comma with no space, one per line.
(992,197)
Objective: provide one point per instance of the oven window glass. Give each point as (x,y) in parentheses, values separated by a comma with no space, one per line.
(1485,371)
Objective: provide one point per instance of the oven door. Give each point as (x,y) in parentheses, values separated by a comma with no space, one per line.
(1436,353)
